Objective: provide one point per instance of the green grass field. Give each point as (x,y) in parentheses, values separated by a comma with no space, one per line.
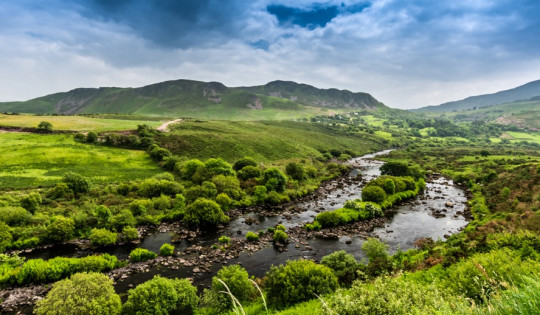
(522,136)
(74,123)
(31,160)
(265,141)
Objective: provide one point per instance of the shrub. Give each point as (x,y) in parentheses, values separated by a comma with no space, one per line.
(395,169)
(153,187)
(315,226)
(218,167)
(14,216)
(157,153)
(280,236)
(328,219)
(130,233)
(298,281)
(224,239)
(61,190)
(248,172)
(207,190)
(77,183)
(377,253)
(225,183)
(295,171)
(205,212)
(169,163)
(91,137)
(274,198)
(343,264)
(373,193)
(162,203)
(83,293)
(102,237)
(162,296)
(141,254)
(389,186)
(252,237)
(103,213)
(45,127)
(122,219)
(188,169)
(259,194)
(244,162)
(31,202)
(224,201)
(237,280)
(274,180)
(166,250)
(5,236)
(60,229)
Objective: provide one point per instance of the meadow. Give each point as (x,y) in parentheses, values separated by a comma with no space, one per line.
(34,160)
(74,123)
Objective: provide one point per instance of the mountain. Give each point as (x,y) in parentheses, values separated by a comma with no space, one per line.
(523,92)
(195,99)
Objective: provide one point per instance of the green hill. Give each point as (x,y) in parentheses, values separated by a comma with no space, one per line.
(210,100)
(522,92)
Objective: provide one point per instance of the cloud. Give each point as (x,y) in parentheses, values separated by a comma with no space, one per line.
(407,54)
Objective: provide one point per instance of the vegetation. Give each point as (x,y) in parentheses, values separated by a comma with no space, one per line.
(141,254)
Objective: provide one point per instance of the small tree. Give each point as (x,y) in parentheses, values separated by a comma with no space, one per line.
(91,137)
(76,182)
(205,212)
(274,180)
(343,264)
(45,127)
(83,293)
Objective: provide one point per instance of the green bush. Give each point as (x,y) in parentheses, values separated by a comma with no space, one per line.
(36,271)
(91,137)
(298,281)
(204,212)
(162,296)
(123,219)
(60,190)
(224,201)
(252,237)
(395,169)
(141,254)
(188,169)
(83,293)
(166,250)
(389,186)
(31,202)
(274,198)
(259,194)
(162,203)
(102,237)
(45,127)
(224,240)
(5,236)
(244,162)
(274,180)
(328,219)
(60,229)
(249,172)
(343,264)
(207,190)
(237,280)
(153,187)
(377,254)
(15,216)
(77,183)
(373,193)
(295,171)
(130,233)
(103,214)
(280,236)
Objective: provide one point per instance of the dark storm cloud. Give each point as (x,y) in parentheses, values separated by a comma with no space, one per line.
(173,23)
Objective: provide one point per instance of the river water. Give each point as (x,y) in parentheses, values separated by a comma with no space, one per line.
(437,214)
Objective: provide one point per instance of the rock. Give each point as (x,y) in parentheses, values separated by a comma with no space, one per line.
(196,270)
(449,204)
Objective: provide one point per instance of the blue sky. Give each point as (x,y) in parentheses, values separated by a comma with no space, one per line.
(405,53)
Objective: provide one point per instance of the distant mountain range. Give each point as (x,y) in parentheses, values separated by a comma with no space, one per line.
(182,97)
(520,93)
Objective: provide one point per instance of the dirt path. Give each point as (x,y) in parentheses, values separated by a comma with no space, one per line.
(164,127)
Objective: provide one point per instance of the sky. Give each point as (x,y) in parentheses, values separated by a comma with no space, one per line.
(406,53)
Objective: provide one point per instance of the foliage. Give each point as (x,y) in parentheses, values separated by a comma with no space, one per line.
(45,127)
(122,219)
(166,250)
(237,280)
(60,229)
(153,187)
(224,201)
(83,293)
(31,202)
(377,254)
(373,193)
(102,237)
(395,169)
(244,162)
(274,180)
(91,137)
(280,237)
(248,172)
(224,239)
(14,216)
(5,236)
(295,171)
(77,183)
(141,254)
(252,237)
(161,296)
(298,281)
(343,264)
(205,212)
(130,233)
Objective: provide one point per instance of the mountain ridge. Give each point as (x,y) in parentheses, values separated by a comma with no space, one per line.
(185,96)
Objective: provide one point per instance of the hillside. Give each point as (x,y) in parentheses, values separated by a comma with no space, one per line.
(522,92)
(210,100)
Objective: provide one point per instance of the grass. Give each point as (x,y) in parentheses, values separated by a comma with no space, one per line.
(523,136)
(264,141)
(74,123)
(32,160)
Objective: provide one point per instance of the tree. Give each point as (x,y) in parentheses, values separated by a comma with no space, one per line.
(248,172)
(45,127)
(162,296)
(295,171)
(91,137)
(60,229)
(76,182)
(247,161)
(205,212)
(343,264)
(83,293)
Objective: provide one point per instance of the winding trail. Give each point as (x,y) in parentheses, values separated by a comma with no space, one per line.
(165,126)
